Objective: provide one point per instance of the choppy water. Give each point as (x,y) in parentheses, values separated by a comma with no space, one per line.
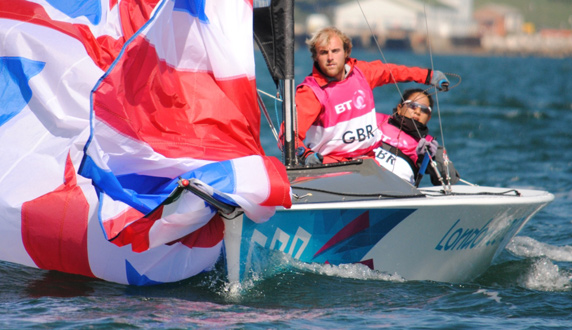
(507,124)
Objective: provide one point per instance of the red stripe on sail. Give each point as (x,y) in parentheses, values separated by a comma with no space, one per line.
(137,233)
(207,236)
(133,14)
(54,227)
(114,226)
(278,178)
(103,49)
(179,114)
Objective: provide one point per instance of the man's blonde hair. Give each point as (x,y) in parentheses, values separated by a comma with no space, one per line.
(323,37)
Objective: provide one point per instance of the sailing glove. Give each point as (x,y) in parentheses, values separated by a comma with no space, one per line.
(313,158)
(430,146)
(309,157)
(439,80)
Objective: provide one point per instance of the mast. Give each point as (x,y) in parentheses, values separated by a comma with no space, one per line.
(274,34)
(288,104)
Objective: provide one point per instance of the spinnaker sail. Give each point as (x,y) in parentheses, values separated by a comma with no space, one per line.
(126,97)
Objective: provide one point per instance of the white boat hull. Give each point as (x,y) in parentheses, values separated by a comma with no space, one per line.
(448,238)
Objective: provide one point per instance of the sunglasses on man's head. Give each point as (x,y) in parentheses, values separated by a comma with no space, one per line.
(414,105)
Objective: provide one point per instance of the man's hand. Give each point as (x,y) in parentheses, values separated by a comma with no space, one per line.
(314,158)
(309,157)
(439,80)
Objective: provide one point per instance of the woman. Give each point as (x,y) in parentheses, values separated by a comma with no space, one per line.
(405,140)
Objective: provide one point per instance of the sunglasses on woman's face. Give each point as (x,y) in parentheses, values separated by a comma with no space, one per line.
(414,105)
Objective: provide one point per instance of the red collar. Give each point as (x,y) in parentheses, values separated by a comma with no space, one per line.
(323,80)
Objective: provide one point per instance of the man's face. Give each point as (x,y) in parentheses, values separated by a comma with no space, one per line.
(331,58)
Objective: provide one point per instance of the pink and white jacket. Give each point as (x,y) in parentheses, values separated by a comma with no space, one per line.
(403,160)
(347,127)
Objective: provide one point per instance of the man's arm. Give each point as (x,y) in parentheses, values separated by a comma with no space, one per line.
(378,73)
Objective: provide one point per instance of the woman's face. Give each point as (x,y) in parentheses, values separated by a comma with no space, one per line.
(416,107)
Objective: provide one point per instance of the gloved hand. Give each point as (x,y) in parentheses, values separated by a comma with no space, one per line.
(309,157)
(313,158)
(431,147)
(439,80)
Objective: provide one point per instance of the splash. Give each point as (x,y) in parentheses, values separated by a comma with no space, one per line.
(355,271)
(523,246)
(235,291)
(273,264)
(543,274)
(546,276)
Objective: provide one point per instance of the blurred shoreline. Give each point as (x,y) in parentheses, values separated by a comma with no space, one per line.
(553,44)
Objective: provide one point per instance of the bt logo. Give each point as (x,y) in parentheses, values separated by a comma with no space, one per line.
(358,102)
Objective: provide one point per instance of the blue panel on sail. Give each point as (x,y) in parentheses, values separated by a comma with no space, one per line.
(91,9)
(195,8)
(15,74)
(135,278)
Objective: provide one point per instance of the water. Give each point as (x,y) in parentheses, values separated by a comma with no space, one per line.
(507,124)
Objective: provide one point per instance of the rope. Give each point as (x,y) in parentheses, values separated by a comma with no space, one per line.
(484,193)
(269,95)
(467,182)
(379,195)
(420,195)
(447,182)
(379,49)
(265,111)
(267,115)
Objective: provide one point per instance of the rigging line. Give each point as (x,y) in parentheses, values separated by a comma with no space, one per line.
(385,61)
(276,99)
(267,115)
(269,95)
(379,48)
(447,186)
(467,182)
(430,48)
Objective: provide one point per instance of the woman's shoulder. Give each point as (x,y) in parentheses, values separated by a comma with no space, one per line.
(381,117)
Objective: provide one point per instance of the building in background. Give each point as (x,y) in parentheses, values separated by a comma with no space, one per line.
(406,23)
(499,20)
(448,26)
(503,30)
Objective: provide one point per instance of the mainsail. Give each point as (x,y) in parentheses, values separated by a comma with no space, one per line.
(137,94)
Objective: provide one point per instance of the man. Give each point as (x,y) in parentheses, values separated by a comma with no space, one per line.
(335,105)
